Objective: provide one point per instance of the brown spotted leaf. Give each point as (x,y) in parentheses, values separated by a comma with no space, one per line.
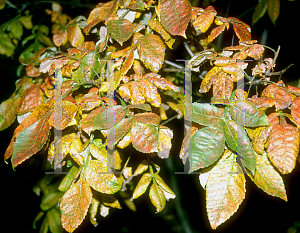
(164,145)
(175,15)
(223,86)
(103,11)
(209,79)
(74,204)
(151,50)
(75,35)
(204,20)
(156,25)
(216,32)
(120,30)
(283,147)
(160,82)
(256,51)
(241,29)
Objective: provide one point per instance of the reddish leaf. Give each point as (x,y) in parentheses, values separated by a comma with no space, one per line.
(273,9)
(216,32)
(295,110)
(241,29)
(175,15)
(121,30)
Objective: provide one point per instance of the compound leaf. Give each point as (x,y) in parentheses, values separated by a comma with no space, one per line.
(142,185)
(206,114)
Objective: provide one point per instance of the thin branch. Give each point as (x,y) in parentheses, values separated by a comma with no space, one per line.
(173,70)
(170,119)
(186,46)
(280,72)
(276,54)
(173,64)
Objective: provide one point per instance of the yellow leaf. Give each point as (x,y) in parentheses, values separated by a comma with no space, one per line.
(157,197)
(142,185)
(155,25)
(209,79)
(164,142)
(103,11)
(223,86)
(225,190)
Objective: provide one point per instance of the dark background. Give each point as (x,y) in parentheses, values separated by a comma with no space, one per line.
(259,212)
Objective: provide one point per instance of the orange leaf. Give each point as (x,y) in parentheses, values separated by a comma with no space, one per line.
(223,86)
(160,82)
(103,11)
(75,35)
(283,147)
(215,32)
(295,110)
(74,205)
(156,25)
(60,37)
(175,15)
(241,29)
(203,21)
(256,51)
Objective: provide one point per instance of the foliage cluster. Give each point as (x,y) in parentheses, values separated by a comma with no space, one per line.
(234,136)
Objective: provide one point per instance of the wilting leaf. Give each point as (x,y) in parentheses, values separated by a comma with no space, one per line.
(150,92)
(143,166)
(74,204)
(99,179)
(121,30)
(175,15)
(215,32)
(225,190)
(156,25)
(295,110)
(110,200)
(103,11)
(206,114)
(262,102)
(223,86)
(60,37)
(283,147)
(142,185)
(256,51)
(8,112)
(31,135)
(160,82)
(273,9)
(151,50)
(164,142)
(209,79)
(204,20)
(157,197)
(259,11)
(267,178)
(75,35)
(119,131)
(206,146)
(245,113)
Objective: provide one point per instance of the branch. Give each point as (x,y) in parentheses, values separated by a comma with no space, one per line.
(186,46)
(279,72)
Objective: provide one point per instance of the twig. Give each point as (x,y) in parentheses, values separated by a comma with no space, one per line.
(173,64)
(279,72)
(276,54)
(188,49)
(170,119)
(173,70)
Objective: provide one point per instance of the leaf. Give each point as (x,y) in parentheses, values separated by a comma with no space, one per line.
(225,190)
(167,191)
(65,113)
(32,97)
(151,51)
(209,79)
(186,142)
(215,32)
(174,15)
(237,140)
(223,86)
(74,204)
(50,200)
(142,185)
(246,114)
(206,146)
(283,147)
(160,82)
(256,51)
(93,211)
(259,11)
(157,197)
(273,9)
(156,25)
(53,216)
(267,178)
(75,35)
(144,137)
(149,91)
(26,21)
(241,29)
(99,179)
(164,142)
(16,29)
(8,112)
(68,179)
(6,46)
(203,21)
(295,110)
(103,11)
(109,117)
(2,4)
(30,139)
(260,137)
(206,114)
(87,123)
(121,30)
(119,131)
(110,200)
(143,166)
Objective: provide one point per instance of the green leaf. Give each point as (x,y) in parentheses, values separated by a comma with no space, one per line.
(267,178)
(259,11)
(206,146)
(151,50)
(16,29)
(8,113)
(2,4)
(145,107)
(142,185)
(54,221)
(238,141)
(119,131)
(99,179)
(6,46)
(68,179)
(273,9)
(26,21)
(26,57)
(50,200)
(104,119)
(206,114)
(246,114)
(120,30)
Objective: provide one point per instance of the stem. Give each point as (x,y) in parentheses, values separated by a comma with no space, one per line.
(170,119)
(173,64)
(186,46)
